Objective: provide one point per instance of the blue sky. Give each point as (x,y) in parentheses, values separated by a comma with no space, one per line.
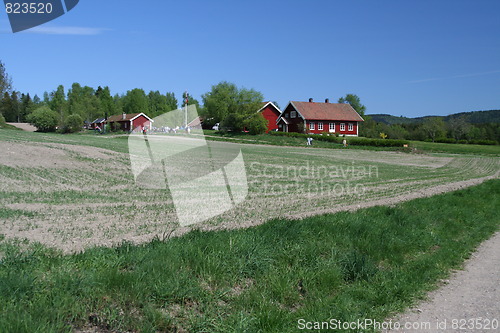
(410,58)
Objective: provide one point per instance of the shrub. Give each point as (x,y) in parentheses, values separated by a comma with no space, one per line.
(462,142)
(355,141)
(257,124)
(446,140)
(44,119)
(72,124)
(483,142)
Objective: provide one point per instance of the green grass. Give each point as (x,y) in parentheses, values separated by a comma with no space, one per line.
(119,143)
(429,147)
(365,264)
(114,143)
(435,147)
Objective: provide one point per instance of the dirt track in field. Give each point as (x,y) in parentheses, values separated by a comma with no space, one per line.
(24,126)
(466,302)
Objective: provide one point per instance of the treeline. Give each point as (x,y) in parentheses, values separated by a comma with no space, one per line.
(435,129)
(88,103)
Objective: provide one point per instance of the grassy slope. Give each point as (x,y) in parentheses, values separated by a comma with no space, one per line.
(346,266)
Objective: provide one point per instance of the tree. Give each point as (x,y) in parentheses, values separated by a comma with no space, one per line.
(5,80)
(58,103)
(355,102)
(458,127)
(15,107)
(108,106)
(27,106)
(171,101)
(230,106)
(135,101)
(44,119)
(434,128)
(157,104)
(37,101)
(6,106)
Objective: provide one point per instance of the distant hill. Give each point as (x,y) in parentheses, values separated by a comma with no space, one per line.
(473,117)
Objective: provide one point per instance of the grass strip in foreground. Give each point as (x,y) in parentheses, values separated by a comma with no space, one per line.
(345,266)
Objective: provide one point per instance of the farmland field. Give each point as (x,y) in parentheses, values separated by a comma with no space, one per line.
(73,192)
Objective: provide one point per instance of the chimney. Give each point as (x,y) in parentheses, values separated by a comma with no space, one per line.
(310,100)
(124,115)
(327,100)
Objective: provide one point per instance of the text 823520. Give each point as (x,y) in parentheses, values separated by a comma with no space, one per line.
(28,8)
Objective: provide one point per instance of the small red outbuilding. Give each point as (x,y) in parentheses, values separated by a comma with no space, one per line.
(130,122)
(271,112)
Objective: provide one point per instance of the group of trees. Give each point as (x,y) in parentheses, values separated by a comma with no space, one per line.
(434,129)
(233,108)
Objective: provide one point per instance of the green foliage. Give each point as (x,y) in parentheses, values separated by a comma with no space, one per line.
(73,124)
(355,102)
(44,119)
(136,101)
(5,80)
(230,106)
(256,124)
(355,141)
(58,102)
(160,104)
(434,128)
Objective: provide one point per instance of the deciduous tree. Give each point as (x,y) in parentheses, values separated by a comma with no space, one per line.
(5,80)
(355,102)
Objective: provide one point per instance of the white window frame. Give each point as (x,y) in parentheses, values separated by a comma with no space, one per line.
(350,127)
(293,114)
(342,127)
(320,126)
(312,126)
(286,115)
(331,127)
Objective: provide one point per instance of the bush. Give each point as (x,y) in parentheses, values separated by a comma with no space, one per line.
(463,142)
(73,124)
(44,119)
(256,124)
(354,141)
(446,140)
(483,142)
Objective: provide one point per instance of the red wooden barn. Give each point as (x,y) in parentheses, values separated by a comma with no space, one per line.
(130,122)
(317,118)
(271,112)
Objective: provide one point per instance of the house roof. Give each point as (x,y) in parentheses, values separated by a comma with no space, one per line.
(326,111)
(98,121)
(128,117)
(195,122)
(265,104)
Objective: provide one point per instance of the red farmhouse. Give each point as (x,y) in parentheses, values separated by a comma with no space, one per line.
(271,112)
(317,118)
(130,122)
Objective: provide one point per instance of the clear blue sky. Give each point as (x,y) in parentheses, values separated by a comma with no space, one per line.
(410,58)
